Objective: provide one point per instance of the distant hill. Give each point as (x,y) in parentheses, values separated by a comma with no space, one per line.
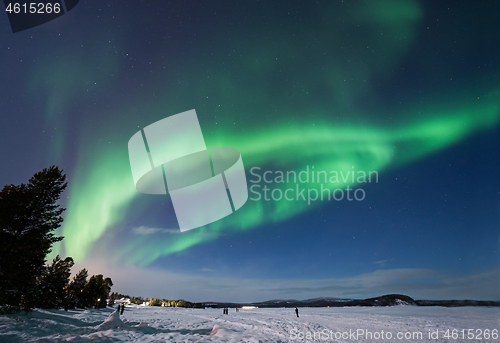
(385,300)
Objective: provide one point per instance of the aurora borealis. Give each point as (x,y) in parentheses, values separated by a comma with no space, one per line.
(409,89)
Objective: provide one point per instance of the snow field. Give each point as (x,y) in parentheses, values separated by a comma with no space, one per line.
(160,324)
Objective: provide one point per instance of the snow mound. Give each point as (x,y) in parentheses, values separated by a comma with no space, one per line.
(219,330)
(112,322)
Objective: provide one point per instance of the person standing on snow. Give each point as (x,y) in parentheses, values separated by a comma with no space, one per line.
(297,312)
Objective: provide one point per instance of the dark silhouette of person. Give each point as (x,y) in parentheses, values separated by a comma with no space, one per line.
(123,309)
(118,309)
(297,312)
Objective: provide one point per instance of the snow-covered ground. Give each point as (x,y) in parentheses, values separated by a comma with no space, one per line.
(157,324)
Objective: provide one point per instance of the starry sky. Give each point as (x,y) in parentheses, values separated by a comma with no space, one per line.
(409,89)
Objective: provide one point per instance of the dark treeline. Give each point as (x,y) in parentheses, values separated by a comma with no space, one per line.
(29,215)
(384,300)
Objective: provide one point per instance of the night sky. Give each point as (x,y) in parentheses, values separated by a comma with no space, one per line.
(409,89)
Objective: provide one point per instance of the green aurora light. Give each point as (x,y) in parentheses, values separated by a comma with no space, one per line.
(316,70)
(102,198)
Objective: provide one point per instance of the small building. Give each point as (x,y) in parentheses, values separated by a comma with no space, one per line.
(123,301)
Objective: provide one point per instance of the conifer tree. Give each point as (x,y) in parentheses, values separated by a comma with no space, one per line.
(97,291)
(29,215)
(76,296)
(52,286)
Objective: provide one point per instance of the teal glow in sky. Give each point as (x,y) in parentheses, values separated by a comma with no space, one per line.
(405,88)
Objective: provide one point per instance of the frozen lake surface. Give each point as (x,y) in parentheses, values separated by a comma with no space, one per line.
(348,324)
